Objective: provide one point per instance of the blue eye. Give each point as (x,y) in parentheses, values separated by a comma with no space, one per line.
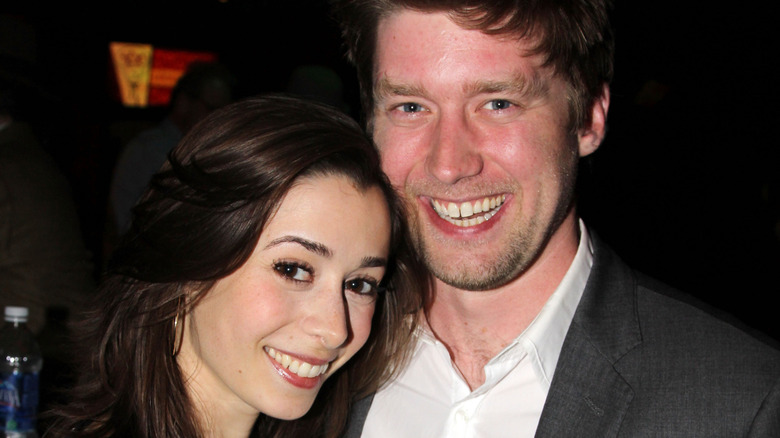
(293,271)
(498,104)
(411,107)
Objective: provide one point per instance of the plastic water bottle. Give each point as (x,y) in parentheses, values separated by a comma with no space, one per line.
(20,363)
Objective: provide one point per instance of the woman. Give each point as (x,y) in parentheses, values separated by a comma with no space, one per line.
(260,258)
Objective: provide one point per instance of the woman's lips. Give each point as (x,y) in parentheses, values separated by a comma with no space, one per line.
(295,370)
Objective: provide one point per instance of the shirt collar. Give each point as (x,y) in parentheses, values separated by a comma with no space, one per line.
(543,339)
(544,336)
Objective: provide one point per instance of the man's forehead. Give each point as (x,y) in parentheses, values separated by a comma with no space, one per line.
(412,45)
(406,26)
(527,38)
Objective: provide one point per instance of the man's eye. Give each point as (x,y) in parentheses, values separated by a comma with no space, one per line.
(361,286)
(293,271)
(411,107)
(498,104)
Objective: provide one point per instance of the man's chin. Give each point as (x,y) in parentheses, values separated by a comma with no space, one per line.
(475,272)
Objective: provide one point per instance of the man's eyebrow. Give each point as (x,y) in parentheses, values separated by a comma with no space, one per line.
(309,245)
(385,87)
(533,86)
(528,87)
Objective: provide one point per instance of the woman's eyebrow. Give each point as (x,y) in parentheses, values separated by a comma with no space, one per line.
(324,251)
(309,245)
(373,262)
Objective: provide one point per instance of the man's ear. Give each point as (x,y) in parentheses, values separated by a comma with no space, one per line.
(590,136)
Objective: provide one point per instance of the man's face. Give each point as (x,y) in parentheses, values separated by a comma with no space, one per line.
(476,133)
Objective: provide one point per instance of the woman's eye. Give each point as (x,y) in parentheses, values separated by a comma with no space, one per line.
(498,104)
(293,271)
(361,286)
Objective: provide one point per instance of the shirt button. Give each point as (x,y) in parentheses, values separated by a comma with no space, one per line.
(461,416)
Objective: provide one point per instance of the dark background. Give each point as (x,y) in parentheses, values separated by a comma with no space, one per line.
(685,186)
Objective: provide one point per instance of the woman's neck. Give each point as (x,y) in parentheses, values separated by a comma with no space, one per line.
(219,422)
(218,418)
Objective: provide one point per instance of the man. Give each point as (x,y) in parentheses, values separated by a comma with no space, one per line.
(536,328)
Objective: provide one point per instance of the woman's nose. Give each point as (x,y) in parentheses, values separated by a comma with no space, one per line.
(328,318)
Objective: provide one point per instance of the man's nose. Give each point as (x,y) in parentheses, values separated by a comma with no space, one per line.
(453,154)
(327,317)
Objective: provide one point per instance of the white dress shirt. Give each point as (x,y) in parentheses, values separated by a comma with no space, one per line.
(431,398)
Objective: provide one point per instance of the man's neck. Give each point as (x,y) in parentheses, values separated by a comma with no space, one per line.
(476,325)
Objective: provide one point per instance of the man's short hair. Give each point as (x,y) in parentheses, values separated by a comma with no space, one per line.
(574,36)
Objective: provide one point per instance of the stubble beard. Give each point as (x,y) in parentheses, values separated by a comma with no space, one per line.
(456,265)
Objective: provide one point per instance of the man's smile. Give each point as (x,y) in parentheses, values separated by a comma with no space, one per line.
(467,214)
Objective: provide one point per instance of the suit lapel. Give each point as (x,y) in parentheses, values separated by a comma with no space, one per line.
(588,397)
(357,418)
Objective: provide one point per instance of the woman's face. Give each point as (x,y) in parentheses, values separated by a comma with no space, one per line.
(266,337)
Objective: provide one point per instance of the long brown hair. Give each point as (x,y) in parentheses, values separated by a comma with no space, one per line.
(198,222)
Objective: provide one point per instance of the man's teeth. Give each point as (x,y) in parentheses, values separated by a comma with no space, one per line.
(468,214)
(303,369)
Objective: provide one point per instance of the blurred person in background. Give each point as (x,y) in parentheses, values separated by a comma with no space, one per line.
(44,263)
(204,87)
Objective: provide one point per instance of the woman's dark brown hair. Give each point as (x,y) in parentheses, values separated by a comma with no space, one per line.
(198,222)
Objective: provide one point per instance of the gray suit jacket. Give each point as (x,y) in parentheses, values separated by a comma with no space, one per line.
(643,360)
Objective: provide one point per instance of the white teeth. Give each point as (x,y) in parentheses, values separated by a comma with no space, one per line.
(462,215)
(285,359)
(466,209)
(452,210)
(303,369)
